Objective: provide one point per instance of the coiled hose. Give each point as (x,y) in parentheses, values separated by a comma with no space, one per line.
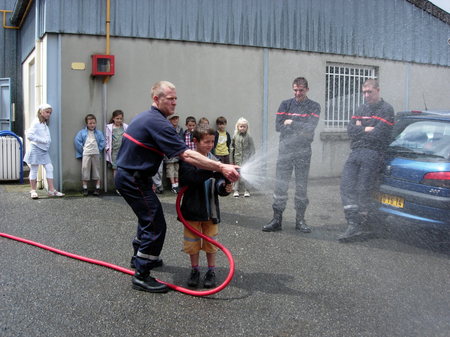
(131,272)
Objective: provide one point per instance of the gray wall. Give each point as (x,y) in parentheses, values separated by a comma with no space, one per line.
(214,80)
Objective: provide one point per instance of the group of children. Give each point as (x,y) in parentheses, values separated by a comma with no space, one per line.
(90,143)
(229,150)
(200,205)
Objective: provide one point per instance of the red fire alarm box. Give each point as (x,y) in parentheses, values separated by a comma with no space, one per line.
(102,65)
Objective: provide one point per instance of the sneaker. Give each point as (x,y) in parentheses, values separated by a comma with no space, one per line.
(96,192)
(118,193)
(159,190)
(210,279)
(85,192)
(246,194)
(236,194)
(194,278)
(55,193)
(33,194)
(175,190)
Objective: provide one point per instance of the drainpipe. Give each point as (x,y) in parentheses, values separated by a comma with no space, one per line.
(407,74)
(41,181)
(105,87)
(265,112)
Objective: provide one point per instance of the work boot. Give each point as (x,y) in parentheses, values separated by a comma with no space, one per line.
(354,232)
(366,226)
(275,224)
(145,282)
(153,263)
(300,225)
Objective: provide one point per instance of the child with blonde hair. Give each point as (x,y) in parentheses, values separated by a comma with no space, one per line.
(242,149)
(38,151)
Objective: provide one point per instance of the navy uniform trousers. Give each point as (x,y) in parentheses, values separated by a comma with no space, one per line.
(299,161)
(136,189)
(358,182)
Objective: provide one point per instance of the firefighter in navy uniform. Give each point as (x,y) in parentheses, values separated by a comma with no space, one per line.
(148,138)
(370,133)
(296,121)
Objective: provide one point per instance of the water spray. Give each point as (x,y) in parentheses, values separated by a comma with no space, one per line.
(131,272)
(254,170)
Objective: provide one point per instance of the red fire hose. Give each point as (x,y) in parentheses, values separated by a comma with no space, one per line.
(131,272)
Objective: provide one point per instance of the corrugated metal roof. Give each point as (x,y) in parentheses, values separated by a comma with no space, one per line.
(388,29)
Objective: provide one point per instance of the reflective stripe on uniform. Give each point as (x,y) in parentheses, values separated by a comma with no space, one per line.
(126,135)
(147,256)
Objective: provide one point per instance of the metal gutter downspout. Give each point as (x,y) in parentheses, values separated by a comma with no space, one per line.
(41,182)
(105,88)
(265,112)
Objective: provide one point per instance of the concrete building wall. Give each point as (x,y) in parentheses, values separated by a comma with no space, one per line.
(214,80)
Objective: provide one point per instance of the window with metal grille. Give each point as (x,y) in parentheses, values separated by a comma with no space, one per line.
(343,92)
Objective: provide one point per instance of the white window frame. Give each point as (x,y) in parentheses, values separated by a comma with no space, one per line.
(343,92)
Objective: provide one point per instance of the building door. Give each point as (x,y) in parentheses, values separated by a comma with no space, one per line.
(5,104)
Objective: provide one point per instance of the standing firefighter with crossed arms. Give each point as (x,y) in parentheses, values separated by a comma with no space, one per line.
(296,121)
(370,133)
(148,138)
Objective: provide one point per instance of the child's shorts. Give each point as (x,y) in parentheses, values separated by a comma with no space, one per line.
(172,170)
(88,163)
(193,243)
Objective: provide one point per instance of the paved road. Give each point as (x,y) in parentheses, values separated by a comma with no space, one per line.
(286,283)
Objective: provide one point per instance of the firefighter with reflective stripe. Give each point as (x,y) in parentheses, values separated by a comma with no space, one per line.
(370,133)
(296,121)
(148,138)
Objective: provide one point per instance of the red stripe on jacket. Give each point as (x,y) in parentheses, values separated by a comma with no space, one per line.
(126,135)
(300,115)
(375,117)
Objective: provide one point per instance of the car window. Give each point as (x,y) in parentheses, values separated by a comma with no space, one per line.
(426,137)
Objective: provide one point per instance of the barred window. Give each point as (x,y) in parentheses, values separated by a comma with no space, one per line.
(343,92)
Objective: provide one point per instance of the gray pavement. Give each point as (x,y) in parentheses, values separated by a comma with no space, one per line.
(285,284)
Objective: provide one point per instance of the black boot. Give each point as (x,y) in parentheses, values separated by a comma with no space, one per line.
(145,282)
(366,226)
(354,232)
(275,224)
(300,225)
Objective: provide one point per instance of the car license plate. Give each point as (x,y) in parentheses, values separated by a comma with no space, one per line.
(392,200)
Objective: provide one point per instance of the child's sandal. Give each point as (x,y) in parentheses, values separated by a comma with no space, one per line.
(55,193)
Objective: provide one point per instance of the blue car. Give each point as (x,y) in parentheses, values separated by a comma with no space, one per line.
(415,184)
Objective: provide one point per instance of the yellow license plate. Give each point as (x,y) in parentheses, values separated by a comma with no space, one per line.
(392,200)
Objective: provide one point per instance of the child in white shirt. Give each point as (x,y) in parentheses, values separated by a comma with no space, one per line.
(37,153)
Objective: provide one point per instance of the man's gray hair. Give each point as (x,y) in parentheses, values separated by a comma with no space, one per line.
(158,88)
